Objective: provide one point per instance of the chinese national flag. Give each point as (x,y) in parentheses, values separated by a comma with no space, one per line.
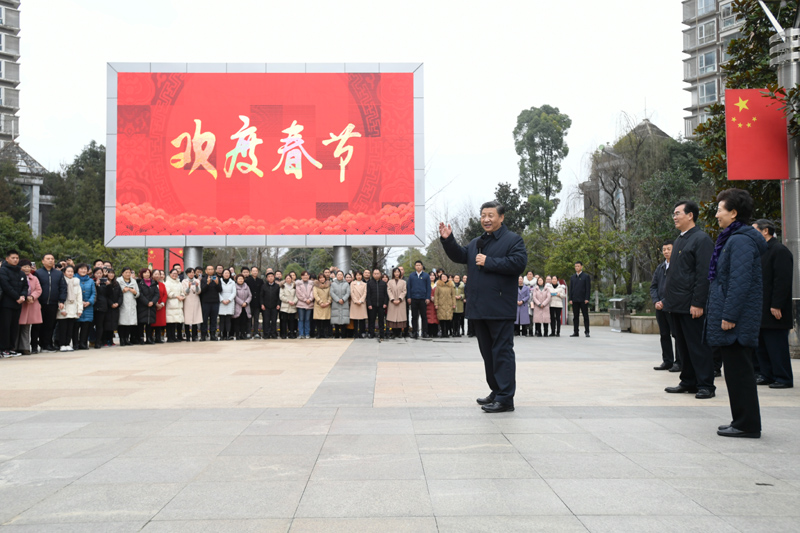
(155,258)
(756,136)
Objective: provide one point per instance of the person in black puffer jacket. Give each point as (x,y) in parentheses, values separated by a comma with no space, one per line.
(146,305)
(14,285)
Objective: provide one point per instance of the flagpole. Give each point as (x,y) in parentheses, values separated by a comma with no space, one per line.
(785,58)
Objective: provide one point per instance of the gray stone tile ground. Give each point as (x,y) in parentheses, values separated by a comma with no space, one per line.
(643,462)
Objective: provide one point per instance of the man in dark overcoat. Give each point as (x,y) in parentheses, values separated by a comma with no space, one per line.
(494,262)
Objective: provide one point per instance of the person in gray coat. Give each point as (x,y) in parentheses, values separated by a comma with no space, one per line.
(340,308)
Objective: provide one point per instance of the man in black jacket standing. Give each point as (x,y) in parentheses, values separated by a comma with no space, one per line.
(54,294)
(686,295)
(255,284)
(271,305)
(580,290)
(494,262)
(210,290)
(377,301)
(668,356)
(14,284)
(777,267)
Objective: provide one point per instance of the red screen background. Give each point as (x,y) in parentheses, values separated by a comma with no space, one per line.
(155,198)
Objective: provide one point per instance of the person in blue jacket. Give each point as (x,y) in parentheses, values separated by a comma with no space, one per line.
(494,262)
(734,308)
(80,338)
(418,297)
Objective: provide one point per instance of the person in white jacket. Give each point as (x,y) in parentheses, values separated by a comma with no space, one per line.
(175,298)
(558,294)
(73,308)
(226,305)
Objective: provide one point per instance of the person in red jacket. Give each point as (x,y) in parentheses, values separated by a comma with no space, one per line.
(160,325)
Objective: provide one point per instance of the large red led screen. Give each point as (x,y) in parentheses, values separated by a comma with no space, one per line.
(265,154)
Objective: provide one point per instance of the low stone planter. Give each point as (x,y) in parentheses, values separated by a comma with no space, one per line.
(644,325)
(595,319)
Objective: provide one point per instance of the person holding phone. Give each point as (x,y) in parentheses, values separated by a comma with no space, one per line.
(209,299)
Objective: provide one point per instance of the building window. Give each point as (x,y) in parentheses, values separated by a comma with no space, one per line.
(729,19)
(704,117)
(707,62)
(706,6)
(727,41)
(707,33)
(2,15)
(707,92)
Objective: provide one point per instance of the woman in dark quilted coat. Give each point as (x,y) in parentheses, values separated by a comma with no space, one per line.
(734,308)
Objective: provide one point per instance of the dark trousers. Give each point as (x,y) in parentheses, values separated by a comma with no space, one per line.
(697,368)
(80,337)
(577,309)
(419,309)
(667,353)
(9,328)
(42,334)
(65,331)
(774,360)
(225,326)
(496,342)
(270,323)
(359,328)
(288,325)
(242,325)
(458,324)
(210,314)
(99,327)
(191,331)
(555,320)
(741,381)
(255,319)
(380,314)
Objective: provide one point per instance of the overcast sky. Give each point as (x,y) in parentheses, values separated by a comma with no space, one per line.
(484,63)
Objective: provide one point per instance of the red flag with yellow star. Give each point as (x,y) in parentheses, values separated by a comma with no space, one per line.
(756,136)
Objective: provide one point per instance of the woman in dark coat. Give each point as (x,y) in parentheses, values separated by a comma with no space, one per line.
(733,311)
(113,298)
(146,305)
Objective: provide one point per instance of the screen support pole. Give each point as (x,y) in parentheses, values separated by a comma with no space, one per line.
(342,256)
(193,257)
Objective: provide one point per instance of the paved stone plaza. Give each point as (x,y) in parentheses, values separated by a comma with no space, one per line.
(357,436)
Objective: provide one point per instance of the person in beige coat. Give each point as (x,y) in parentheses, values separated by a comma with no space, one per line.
(288,313)
(396,313)
(358,305)
(540,303)
(73,308)
(322,306)
(445,301)
(192,306)
(175,298)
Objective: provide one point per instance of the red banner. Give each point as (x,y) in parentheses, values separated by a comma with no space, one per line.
(756,136)
(265,154)
(155,258)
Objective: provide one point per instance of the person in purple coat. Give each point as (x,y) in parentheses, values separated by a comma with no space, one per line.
(523,322)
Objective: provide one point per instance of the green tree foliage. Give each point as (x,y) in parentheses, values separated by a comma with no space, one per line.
(12,199)
(80,196)
(517,216)
(297,268)
(748,68)
(15,235)
(578,239)
(539,141)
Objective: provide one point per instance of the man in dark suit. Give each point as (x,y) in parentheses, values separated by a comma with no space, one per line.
(580,290)
(494,262)
(686,294)
(669,357)
(377,301)
(255,284)
(777,267)
(271,305)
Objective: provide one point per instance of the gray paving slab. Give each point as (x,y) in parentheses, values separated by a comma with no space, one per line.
(158,446)
(365,498)
(785,466)
(477,443)
(267,525)
(22,471)
(19,498)
(586,466)
(11,448)
(557,443)
(665,524)
(648,497)
(364,525)
(107,429)
(100,503)
(275,444)
(297,413)
(370,444)
(226,415)
(741,497)
(28,430)
(511,497)
(457,426)
(509,524)
(476,466)
(652,442)
(388,426)
(283,426)
(234,500)
(123,470)
(204,428)
(536,425)
(763,524)
(699,465)
(66,448)
(83,527)
(278,467)
(368,466)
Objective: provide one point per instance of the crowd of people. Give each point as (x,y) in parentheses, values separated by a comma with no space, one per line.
(66,306)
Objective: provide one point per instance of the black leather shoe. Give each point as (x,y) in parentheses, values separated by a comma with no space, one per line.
(662,366)
(731,431)
(497,407)
(778,385)
(675,368)
(761,380)
(587,334)
(680,389)
(574,335)
(704,394)
(724,427)
(486,401)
